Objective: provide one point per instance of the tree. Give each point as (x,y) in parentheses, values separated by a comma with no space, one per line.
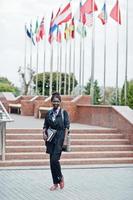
(129,94)
(4,80)
(7,86)
(26,83)
(97,96)
(110,96)
(47,82)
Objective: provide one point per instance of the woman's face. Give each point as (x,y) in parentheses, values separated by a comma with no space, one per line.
(55,103)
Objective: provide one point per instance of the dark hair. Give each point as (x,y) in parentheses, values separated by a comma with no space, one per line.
(57,95)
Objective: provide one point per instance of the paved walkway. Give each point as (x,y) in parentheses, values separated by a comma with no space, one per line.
(31,122)
(80,184)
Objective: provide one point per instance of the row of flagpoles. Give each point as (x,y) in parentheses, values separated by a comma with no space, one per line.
(63,18)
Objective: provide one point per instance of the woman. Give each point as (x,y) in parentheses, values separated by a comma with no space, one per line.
(61,124)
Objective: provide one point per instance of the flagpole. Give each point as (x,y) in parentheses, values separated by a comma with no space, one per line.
(57,73)
(25,51)
(92,57)
(69,76)
(80,53)
(72,68)
(37,69)
(25,56)
(104,64)
(117,63)
(31,47)
(104,87)
(83,69)
(80,66)
(31,54)
(126,64)
(117,58)
(73,85)
(60,77)
(80,57)
(43,87)
(65,78)
(51,70)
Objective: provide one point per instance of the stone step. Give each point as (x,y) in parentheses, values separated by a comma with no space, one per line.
(25,147)
(90,130)
(29,136)
(102,147)
(74,148)
(73,142)
(42,155)
(77,161)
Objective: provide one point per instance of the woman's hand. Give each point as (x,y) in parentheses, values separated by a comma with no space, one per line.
(44,135)
(67,131)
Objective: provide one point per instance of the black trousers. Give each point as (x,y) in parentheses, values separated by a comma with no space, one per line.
(55,167)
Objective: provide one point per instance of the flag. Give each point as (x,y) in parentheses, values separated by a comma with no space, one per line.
(37,31)
(72,29)
(66,32)
(36,27)
(58,35)
(82,20)
(37,37)
(81,29)
(103,15)
(51,37)
(87,7)
(27,32)
(78,14)
(89,19)
(115,13)
(82,17)
(64,15)
(41,29)
(30,33)
(54,26)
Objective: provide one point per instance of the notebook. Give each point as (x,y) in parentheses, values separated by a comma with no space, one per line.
(50,133)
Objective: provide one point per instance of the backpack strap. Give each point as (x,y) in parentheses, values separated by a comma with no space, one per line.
(62,114)
(63,117)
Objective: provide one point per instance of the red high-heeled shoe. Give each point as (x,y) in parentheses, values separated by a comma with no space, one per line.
(54,187)
(62,184)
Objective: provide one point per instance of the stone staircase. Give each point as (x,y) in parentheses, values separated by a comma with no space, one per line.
(25,147)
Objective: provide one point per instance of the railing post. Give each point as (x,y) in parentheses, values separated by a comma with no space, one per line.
(4,118)
(3,140)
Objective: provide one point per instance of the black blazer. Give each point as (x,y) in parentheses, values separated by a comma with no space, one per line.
(60,124)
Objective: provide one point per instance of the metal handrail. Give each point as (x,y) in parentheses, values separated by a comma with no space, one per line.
(4,118)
